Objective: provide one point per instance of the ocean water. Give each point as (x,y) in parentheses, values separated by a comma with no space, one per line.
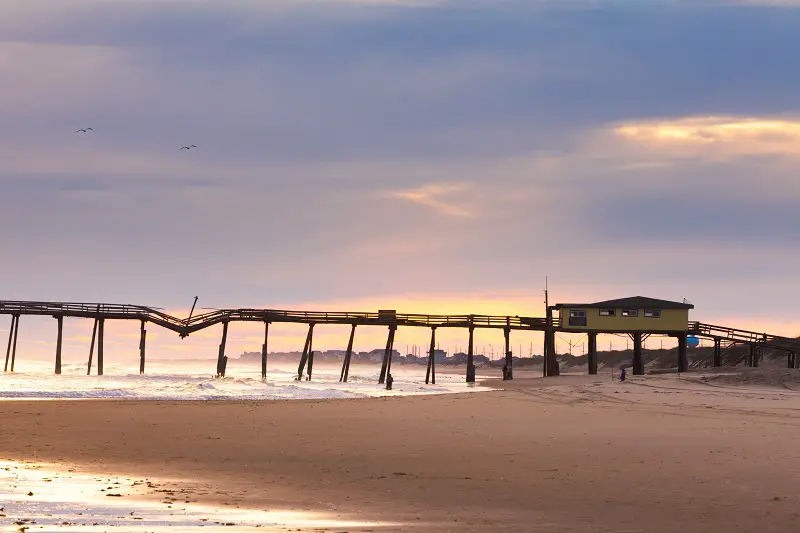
(193,380)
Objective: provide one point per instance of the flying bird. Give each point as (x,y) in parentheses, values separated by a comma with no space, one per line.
(187,147)
(84,130)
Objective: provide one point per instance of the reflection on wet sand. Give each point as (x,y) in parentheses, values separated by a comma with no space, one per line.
(42,498)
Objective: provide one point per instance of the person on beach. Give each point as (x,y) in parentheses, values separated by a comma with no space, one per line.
(622,374)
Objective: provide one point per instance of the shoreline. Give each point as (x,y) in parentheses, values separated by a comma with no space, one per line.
(569,454)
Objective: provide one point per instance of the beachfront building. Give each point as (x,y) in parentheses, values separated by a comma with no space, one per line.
(637,316)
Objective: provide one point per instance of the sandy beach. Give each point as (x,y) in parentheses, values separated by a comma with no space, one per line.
(574,453)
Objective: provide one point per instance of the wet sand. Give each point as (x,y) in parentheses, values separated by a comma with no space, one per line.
(575,453)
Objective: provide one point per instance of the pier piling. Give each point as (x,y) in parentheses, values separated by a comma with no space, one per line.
(14,319)
(638,360)
(470,355)
(221,353)
(60,336)
(430,373)
(306,349)
(509,374)
(592,352)
(717,360)
(683,360)
(14,345)
(347,356)
(387,355)
(100,330)
(142,347)
(91,348)
(264,351)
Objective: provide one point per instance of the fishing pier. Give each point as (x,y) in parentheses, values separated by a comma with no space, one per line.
(573,318)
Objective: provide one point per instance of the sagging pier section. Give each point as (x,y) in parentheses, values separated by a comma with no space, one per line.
(389,319)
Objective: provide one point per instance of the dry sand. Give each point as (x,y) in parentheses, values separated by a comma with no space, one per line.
(574,453)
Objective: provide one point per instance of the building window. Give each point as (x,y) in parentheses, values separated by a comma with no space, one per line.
(577,318)
(630,312)
(608,312)
(652,313)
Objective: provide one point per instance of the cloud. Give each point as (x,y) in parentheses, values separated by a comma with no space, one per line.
(716,137)
(429,195)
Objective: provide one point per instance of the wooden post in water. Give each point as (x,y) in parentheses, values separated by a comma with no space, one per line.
(387,354)
(683,360)
(91,348)
(638,359)
(790,360)
(310,364)
(142,347)
(717,359)
(796,361)
(470,354)
(347,356)
(10,338)
(592,352)
(60,336)
(306,349)
(264,351)
(221,355)
(100,329)
(430,374)
(14,345)
(509,355)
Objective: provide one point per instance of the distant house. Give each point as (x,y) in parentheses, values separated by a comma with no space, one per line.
(626,315)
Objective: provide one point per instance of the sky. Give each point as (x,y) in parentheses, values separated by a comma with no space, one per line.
(422,155)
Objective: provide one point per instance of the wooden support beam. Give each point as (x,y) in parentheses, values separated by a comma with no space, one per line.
(470,355)
(683,359)
(387,355)
(509,366)
(264,351)
(790,360)
(10,338)
(91,348)
(430,373)
(347,356)
(14,345)
(638,359)
(796,361)
(142,347)
(100,329)
(221,352)
(306,349)
(310,364)
(717,360)
(550,360)
(59,337)
(757,355)
(751,356)
(592,352)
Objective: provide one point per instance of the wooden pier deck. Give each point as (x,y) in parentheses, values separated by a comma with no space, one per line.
(100,312)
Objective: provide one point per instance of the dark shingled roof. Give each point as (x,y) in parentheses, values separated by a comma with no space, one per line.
(634,302)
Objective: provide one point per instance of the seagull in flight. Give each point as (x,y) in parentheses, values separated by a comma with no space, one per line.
(84,130)
(187,147)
